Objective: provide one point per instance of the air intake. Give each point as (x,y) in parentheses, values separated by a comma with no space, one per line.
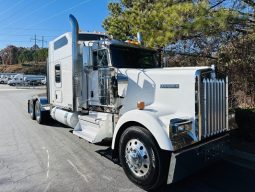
(214,107)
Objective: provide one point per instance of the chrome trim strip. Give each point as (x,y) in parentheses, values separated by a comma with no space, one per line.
(199,107)
(205,113)
(182,123)
(227,103)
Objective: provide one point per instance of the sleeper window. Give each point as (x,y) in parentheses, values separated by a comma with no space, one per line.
(57,73)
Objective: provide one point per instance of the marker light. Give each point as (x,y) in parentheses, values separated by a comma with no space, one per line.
(140,105)
(132,42)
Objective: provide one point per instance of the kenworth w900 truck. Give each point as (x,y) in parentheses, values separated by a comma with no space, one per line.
(163,122)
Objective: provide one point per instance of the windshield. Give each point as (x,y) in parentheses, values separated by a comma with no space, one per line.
(131,57)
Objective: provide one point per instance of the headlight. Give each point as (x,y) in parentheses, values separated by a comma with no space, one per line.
(178,126)
(179,132)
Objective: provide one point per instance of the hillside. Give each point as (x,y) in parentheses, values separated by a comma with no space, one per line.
(30,68)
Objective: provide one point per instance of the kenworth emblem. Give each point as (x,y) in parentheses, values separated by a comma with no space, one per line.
(169,86)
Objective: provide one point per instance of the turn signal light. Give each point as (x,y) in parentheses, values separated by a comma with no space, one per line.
(132,42)
(140,105)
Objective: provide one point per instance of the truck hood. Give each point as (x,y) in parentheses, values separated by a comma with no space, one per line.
(164,91)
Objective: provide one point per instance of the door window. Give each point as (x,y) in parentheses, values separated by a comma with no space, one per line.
(100,59)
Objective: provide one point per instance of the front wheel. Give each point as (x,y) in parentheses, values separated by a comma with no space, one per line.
(142,159)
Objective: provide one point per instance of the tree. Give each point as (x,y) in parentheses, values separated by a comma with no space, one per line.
(28,55)
(25,55)
(9,55)
(166,21)
(238,60)
(42,54)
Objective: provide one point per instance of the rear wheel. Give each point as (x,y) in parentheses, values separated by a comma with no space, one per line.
(32,110)
(142,159)
(38,112)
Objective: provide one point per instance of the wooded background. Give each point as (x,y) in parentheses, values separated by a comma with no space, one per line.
(20,55)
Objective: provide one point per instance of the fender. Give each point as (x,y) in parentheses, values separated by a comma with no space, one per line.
(150,121)
(43,102)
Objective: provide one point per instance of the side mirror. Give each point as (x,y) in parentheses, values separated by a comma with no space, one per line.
(122,81)
(87,56)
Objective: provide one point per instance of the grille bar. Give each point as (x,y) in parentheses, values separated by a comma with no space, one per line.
(214,106)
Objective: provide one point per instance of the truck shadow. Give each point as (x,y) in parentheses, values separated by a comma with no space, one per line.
(222,176)
(53,123)
(218,177)
(107,153)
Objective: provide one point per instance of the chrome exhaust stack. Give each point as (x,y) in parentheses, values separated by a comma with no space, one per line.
(139,38)
(76,65)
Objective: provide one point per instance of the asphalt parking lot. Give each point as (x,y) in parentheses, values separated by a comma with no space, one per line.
(37,157)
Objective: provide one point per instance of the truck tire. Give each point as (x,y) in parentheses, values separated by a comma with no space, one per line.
(31,110)
(142,159)
(38,112)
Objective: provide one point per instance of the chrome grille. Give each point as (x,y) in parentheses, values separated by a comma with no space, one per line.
(214,106)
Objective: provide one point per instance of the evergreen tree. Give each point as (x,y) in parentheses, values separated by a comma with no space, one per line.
(166,21)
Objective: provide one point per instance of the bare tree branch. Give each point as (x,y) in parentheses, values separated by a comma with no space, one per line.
(249,2)
(218,3)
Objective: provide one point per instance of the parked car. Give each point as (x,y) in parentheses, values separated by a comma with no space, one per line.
(44,81)
(34,82)
(33,79)
(2,81)
(5,80)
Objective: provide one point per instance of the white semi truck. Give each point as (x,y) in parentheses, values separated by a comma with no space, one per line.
(164,123)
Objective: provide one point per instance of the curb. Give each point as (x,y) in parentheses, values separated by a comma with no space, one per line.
(39,87)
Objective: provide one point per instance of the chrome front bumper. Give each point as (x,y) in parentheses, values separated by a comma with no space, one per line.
(189,160)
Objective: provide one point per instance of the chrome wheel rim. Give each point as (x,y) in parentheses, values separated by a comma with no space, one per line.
(137,157)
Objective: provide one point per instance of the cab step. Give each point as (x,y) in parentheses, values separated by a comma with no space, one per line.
(94,127)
